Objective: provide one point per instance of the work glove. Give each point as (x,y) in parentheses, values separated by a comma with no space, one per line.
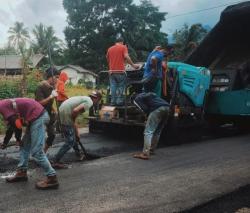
(53,94)
(3,146)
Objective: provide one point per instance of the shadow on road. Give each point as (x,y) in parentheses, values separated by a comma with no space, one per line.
(237,201)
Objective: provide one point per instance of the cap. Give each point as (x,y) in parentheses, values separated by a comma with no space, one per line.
(95,94)
(50,72)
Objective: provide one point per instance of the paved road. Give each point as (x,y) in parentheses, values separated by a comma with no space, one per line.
(176,179)
(237,202)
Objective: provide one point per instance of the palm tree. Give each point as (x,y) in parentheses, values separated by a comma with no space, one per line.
(44,39)
(19,35)
(26,62)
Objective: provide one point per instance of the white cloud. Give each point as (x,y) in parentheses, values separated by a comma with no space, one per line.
(31,13)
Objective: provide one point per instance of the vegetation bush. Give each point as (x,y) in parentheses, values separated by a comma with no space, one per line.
(10,88)
(33,80)
(89,84)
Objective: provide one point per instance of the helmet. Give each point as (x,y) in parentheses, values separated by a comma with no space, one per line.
(95,94)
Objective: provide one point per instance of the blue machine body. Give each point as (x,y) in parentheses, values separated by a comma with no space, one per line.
(193,81)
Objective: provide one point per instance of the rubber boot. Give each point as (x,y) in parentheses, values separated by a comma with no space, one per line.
(20,176)
(50,182)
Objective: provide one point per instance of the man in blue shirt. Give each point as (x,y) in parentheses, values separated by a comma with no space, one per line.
(153,71)
(157,111)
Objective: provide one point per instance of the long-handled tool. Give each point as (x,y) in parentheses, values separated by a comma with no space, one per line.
(57,105)
(82,147)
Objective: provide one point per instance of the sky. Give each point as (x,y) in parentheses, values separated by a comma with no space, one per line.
(51,12)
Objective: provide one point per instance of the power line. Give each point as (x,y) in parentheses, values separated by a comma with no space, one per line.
(198,11)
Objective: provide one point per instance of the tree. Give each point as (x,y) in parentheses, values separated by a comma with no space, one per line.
(187,39)
(45,40)
(19,35)
(26,62)
(8,51)
(93,26)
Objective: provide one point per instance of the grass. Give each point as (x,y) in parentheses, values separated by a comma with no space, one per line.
(77,91)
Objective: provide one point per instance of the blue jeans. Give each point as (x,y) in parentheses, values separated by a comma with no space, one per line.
(155,124)
(70,136)
(117,87)
(33,142)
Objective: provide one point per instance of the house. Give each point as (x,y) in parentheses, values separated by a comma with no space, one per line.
(78,75)
(12,64)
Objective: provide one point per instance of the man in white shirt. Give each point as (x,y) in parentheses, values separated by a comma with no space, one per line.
(69,110)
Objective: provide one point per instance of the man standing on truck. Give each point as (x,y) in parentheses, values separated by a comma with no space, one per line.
(153,73)
(45,95)
(25,111)
(116,57)
(69,110)
(157,111)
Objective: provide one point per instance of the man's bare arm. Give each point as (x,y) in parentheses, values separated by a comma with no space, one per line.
(77,110)
(154,64)
(128,59)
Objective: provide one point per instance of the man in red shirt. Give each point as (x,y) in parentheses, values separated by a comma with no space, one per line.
(116,56)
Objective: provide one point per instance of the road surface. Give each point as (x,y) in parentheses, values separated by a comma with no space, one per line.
(177,178)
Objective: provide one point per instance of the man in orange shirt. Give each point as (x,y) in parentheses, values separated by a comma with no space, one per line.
(116,56)
(60,88)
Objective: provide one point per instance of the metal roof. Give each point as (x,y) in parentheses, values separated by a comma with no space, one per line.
(15,61)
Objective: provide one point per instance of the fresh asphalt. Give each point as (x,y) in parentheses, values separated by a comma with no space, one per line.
(177,178)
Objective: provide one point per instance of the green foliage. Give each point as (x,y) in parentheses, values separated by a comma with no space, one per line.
(87,84)
(19,35)
(33,80)
(45,41)
(187,39)
(9,89)
(8,51)
(94,25)
(2,126)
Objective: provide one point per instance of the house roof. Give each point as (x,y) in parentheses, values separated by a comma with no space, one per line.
(10,62)
(35,59)
(15,61)
(78,69)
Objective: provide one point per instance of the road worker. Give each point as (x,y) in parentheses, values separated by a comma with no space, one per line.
(25,111)
(156,110)
(60,88)
(116,57)
(153,72)
(69,110)
(45,95)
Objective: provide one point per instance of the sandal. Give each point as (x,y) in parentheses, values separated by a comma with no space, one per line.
(59,166)
(141,155)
